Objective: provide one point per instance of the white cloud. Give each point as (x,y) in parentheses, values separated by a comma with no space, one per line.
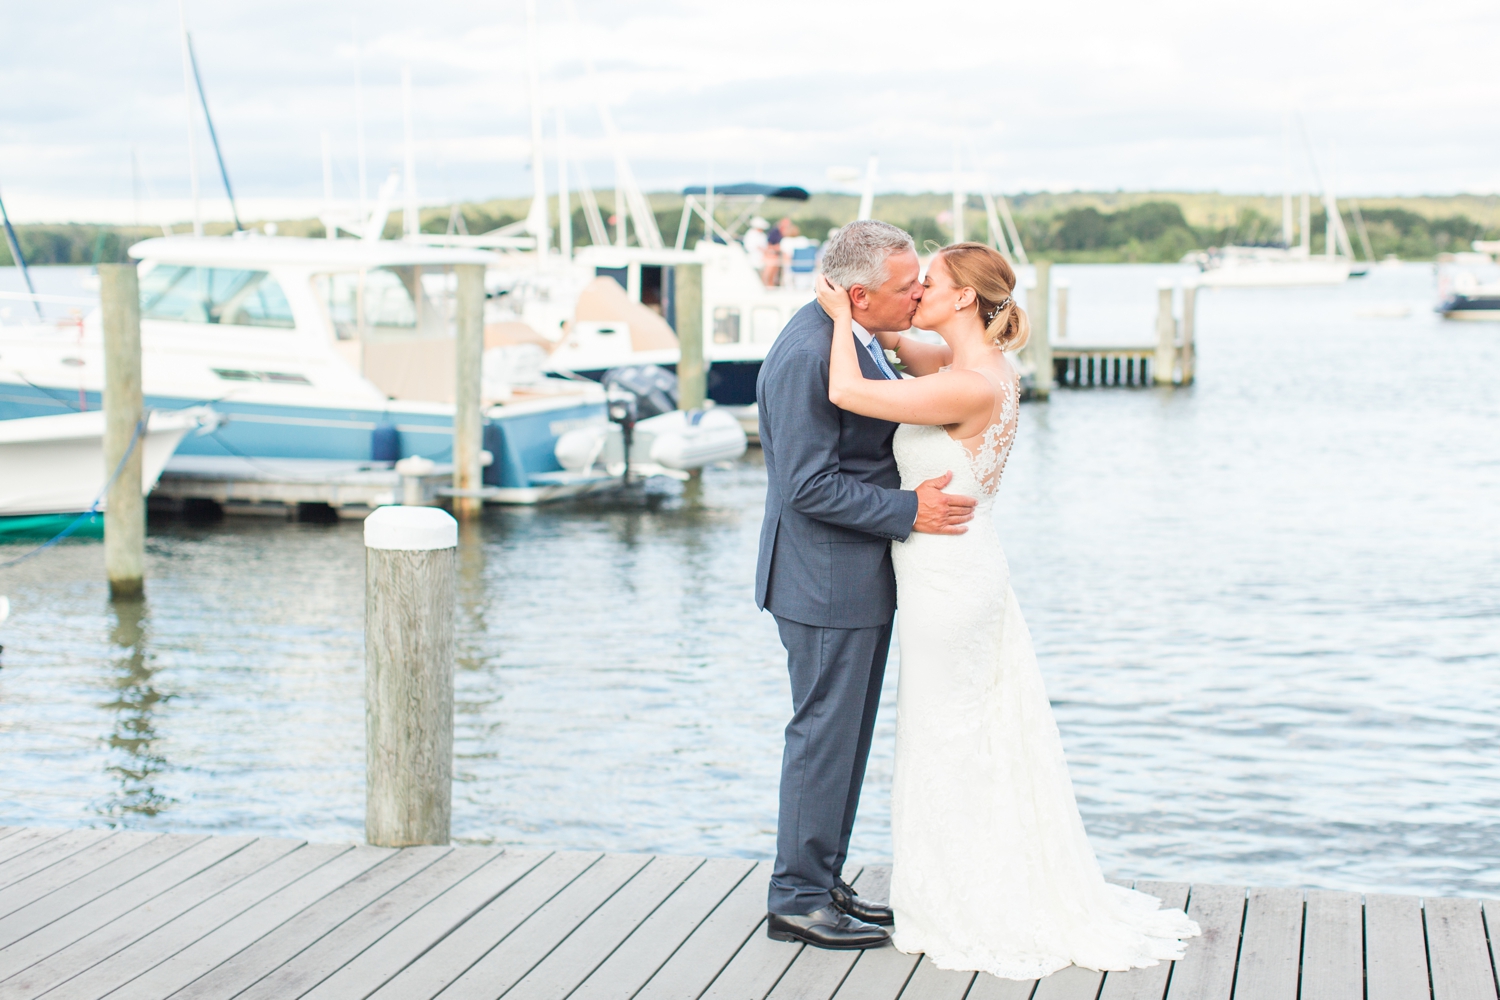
(1076,93)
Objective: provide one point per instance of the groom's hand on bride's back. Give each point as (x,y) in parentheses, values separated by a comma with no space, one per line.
(940,513)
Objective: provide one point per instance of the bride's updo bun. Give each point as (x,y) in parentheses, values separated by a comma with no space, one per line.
(982,268)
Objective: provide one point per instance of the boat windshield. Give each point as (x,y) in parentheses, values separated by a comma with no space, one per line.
(384,302)
(220,295)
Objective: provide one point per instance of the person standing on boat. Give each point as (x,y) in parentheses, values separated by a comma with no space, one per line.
(833,507)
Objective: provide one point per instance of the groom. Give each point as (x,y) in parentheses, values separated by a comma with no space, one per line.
(832,508)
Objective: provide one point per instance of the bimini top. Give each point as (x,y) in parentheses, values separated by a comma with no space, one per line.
(742,190)
(254,251)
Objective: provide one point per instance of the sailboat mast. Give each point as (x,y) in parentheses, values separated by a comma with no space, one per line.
(867,196)
(1286,185)
(564,203)
(958,198)
(359,133)
(537,218)
(187,104)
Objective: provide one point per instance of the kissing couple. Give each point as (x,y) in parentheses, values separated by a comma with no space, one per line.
(881,486)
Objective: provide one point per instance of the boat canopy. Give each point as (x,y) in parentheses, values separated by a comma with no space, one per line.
(751,190)
(260,252)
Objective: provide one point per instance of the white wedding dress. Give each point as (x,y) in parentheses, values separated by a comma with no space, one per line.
(993,870)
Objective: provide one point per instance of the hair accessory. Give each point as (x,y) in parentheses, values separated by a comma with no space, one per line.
(996,311)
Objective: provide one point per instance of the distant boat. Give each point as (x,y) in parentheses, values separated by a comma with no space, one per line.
(1471,300)
(55,465)
(1271,266)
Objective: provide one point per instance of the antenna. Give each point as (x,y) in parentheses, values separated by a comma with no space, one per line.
(411,223)
(187,106)
(359,130)
(214,136)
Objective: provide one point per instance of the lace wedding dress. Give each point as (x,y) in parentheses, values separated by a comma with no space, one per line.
(993,870)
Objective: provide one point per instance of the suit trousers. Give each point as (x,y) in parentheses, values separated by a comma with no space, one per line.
(836,676)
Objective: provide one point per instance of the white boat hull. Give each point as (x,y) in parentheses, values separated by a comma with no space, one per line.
(1277,274)
(55,465)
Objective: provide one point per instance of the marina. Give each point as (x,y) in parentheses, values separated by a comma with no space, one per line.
(94,914)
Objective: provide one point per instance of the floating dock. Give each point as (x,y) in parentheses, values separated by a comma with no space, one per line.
(142,916)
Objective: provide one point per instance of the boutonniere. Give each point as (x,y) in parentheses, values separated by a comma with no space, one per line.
(895,361)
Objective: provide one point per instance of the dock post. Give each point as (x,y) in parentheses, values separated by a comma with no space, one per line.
(468,414)
(1165,361)
(124,504)
(692,373)
(410,560)
(1189,323)
(1062,311)
(1040,346)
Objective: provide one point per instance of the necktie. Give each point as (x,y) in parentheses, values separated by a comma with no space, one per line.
(880,362)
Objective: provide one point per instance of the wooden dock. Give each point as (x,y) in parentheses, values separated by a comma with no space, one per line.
(138,916)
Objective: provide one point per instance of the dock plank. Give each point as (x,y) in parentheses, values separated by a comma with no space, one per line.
(929,982)
(760,963)
(172,937)
(1206,972)
(988,987)
(584,950)
(818,973)
(1395,948)
(1149,983)
(81,920)
(48,853)
(1072,983)
(1270,945)
(1333,958)
(55,905)
(654,942)
(54,877)
(338,947)
(880,974)
(341,865)
(28,839)
(426,927)
(1457,950)
(712,946)
(129,927)
(455,954)
(290,939)
(509,961)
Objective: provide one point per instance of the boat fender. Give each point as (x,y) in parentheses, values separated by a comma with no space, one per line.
(385,442)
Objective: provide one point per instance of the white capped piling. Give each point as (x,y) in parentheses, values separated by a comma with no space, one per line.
(410,559)
(692,373)
(468,414)
(124,505)
(1189,321)
(1165,362)
(1039,347)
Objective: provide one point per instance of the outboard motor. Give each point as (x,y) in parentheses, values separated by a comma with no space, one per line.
(654,388)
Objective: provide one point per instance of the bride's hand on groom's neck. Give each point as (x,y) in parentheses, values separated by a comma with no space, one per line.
(834,300)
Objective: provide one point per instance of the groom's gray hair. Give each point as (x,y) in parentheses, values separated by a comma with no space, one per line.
(857,254)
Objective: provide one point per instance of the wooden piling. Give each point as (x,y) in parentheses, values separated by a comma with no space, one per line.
(1039,347)
(125,506)
(1165,363)
(692,373)
(468,415)
(410,558)
(1189,323)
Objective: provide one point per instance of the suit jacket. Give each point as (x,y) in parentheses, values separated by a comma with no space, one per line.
(833,502)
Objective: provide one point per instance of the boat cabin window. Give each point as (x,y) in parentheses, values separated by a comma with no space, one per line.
(378,301)
(726,325)
(221,295)
(620,274)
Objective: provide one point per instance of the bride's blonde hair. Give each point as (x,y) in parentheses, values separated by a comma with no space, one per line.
(982,268)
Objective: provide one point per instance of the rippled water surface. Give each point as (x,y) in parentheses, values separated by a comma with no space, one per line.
(1267,608)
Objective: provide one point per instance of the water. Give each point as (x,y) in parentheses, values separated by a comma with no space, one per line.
(1266,608)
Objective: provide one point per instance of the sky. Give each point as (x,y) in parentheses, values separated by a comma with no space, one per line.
(1395,97)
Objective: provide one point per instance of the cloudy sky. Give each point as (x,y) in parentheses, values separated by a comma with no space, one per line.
(1068,94)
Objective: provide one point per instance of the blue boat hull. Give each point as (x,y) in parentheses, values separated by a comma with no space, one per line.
(522,442)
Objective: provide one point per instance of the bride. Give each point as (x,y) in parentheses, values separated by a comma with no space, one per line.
(993,871)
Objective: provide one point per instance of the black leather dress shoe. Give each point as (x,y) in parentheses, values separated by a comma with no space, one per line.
(828,927)
(852,903)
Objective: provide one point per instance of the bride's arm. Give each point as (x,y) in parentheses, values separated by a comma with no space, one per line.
(919,357)
(944,398)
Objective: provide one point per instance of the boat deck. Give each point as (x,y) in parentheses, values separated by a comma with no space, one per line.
(95,913)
